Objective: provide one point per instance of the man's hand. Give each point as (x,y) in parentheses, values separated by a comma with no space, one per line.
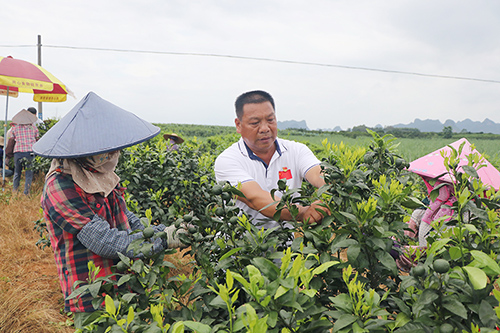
(315,212)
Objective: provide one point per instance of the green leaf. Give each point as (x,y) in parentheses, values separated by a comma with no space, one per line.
(402,306)
(128,297)
(323,267)
(427,297)
(130,315)
(402,319)
(455,253)
(280,292)
(344,321)
(477,277)
(487,313)
(261,325)
(138,266)
(178,327)
(353,252)
(470,171)
(230,253)
(472,228)
(94,288)
(486,261)
(273,318)
(288,283)
(342,302)
(438,245)
(412,203)
(267,268)
(349,216)
(110,305)
(377,242)
(198,327)
(455,306)
(218,302)
(387,260)
(229,279)
(309,292)
(124,279)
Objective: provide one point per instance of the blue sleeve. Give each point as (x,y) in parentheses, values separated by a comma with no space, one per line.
(134,221)
(106,242)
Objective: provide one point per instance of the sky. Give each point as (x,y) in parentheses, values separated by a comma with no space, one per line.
(329,62)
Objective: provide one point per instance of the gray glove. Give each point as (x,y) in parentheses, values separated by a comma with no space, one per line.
(173,240)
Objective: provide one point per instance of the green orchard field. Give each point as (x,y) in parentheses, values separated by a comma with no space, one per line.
(409,148)
(356,271)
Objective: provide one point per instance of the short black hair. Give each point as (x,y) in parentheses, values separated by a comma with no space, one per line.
(255,96)
(32,110)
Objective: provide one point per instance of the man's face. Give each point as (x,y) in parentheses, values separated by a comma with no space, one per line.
(258,127)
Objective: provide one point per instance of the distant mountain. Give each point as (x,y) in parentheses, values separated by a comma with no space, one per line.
(292,124)
(467,125)
(426,125)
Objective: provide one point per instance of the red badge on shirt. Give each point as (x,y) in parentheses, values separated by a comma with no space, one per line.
(285,173)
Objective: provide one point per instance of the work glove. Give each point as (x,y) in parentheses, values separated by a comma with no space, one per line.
(173,240)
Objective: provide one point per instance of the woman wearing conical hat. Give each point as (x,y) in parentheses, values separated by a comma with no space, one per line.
(83,203)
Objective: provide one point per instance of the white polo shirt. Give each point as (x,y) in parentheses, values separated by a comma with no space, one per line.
(238,163)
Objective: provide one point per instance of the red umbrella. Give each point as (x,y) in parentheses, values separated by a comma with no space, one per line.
(22,76)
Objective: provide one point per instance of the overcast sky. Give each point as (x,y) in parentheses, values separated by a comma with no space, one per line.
(451,38)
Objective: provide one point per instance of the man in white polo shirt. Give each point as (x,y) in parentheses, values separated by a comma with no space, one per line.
(259,159)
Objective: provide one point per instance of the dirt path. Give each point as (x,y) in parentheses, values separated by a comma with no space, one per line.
(30,295)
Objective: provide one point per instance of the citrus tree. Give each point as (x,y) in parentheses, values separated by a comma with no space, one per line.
(337,276)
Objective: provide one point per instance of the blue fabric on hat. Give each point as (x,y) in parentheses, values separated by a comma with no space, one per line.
(92,127)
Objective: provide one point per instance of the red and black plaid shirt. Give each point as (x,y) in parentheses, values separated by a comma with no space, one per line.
(67,209)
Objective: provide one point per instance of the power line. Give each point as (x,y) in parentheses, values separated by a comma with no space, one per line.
(267,59)
(17,45)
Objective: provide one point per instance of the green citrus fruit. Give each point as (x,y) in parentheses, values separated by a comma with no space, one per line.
(187,218)
(336,175)
(400,162)
(121,266)
(217,190)
(418,270)
(226,196)
(233,220)
(446,328)
(219,211)
(148,232)
(441,266)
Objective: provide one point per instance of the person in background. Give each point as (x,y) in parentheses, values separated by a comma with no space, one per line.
(438,208)
(173,140)
(8,172)
(38,120)
(25,134)
(9,131)
(83,202)
(259,159)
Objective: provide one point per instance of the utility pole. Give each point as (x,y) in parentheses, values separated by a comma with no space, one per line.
(39,45)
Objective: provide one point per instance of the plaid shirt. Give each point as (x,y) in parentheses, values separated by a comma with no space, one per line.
(25,136)
(67,210)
